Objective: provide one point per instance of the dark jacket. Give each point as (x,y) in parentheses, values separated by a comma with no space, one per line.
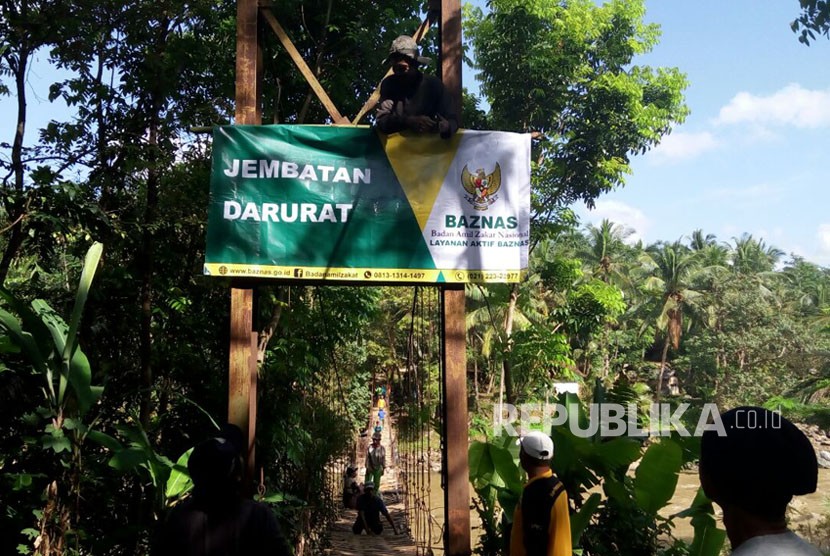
(423,96)
(237,527)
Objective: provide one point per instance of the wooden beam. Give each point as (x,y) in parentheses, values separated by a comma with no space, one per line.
(242,358)
(456,440)
(304,69)
(451,51)
(239,375)
(248,64)
(456,434)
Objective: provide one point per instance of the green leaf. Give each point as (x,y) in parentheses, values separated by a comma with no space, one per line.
(506,469)
(618,454)
(57,443)
(93,255)
(105,440)
(24,340)
(708,539)
(581,518)
(80,378)
(278,497)
(128,459)
(481,464)
(20,481)
(656,477)
(179,481)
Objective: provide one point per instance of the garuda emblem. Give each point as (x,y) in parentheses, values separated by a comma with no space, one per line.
(482,188)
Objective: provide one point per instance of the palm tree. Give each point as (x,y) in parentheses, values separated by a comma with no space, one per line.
(606,251)
(808,286)
(699,242)
(753,256)
(674,265)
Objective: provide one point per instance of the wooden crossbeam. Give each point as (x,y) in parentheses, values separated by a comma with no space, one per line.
(303,67)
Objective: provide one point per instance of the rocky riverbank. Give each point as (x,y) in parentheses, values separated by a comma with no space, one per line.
(820,440)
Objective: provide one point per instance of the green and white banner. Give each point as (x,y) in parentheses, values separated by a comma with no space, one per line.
(351,204)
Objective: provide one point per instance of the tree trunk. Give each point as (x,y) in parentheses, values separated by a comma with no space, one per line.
(15,205)
(146,265)
(663,366)
(501,398)
(267,333)
(508,333)
(475,381)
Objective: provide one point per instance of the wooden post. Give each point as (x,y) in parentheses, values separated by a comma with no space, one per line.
(242,365)
(456,434)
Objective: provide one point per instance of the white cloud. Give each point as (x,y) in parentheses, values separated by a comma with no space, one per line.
(683,146)
(622,214)
(791,106)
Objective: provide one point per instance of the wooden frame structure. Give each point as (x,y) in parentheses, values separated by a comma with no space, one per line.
(242,365)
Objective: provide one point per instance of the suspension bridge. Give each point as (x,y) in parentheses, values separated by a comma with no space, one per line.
(413,481)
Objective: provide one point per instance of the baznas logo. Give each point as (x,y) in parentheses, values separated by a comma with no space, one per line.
(481,187)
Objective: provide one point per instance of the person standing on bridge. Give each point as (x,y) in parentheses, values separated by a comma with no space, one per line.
(411,100)
(369,509)
(375,461)
(541,521)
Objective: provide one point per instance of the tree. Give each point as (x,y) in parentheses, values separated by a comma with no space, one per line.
(753,256)
(674,264)
(589,107)
(814,19)
(588,104)
(607,251)
(712,254)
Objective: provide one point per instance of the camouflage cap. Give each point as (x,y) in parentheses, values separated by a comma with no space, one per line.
(406,46)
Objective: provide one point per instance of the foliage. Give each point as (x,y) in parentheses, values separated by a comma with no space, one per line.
(625,518)
(126,169)
(589,104)
(814,19)
(51,349)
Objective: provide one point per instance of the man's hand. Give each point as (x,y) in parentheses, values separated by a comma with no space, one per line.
(443,126)
(420,124)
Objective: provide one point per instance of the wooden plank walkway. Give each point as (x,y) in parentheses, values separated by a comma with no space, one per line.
(342,542)
(345,543)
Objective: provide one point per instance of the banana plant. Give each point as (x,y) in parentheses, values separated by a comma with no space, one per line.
(583,464)
(51,346)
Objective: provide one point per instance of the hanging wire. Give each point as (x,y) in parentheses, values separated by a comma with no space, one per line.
(334,470)
(418,413)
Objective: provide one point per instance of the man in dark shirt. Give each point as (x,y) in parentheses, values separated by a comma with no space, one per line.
(411,100)
(217,520)
(369,510)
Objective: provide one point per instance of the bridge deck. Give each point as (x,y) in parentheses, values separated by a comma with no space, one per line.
(343,542)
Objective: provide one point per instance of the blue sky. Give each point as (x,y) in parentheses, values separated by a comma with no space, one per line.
(753,154)
(751,157)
